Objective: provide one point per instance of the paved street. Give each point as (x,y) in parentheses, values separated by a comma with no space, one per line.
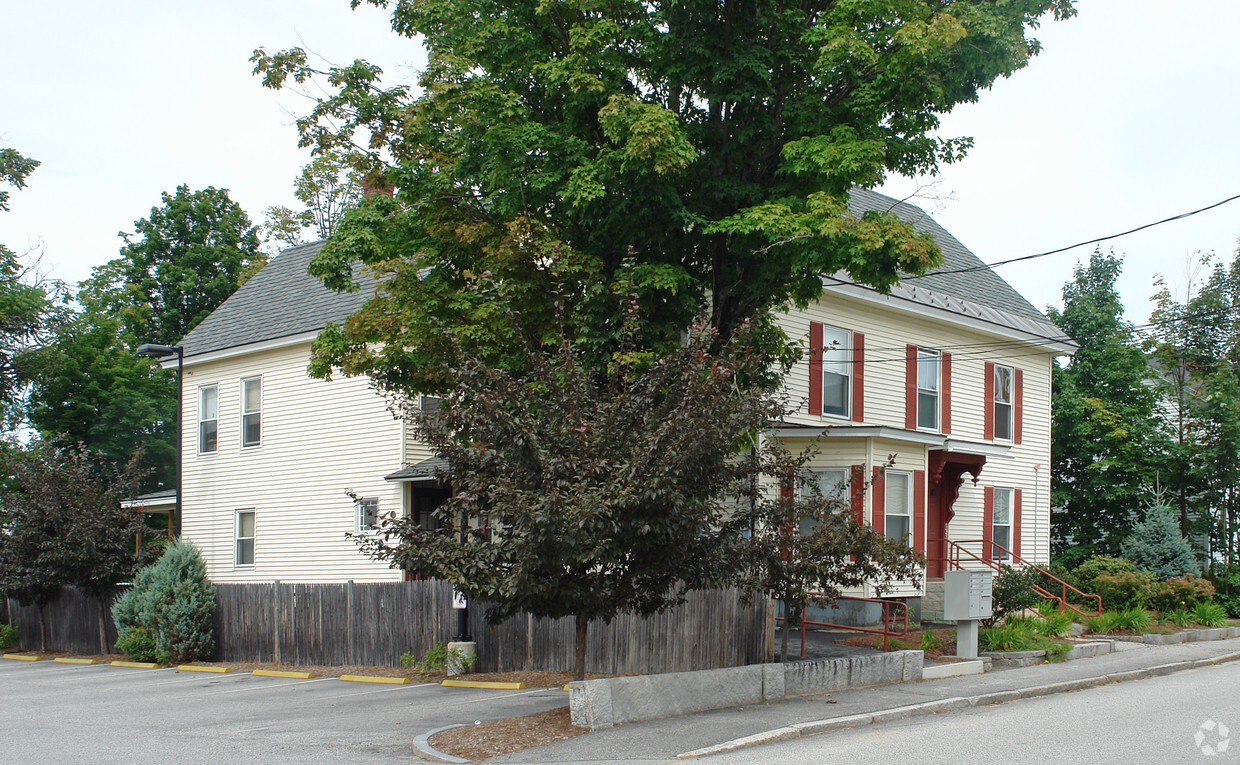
(61,713)
(1146,721)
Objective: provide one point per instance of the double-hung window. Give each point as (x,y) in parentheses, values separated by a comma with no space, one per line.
(836,372)
(1002,529)
(1003,403)
(832,484)
(252,411)
(367,514)
(928,366)
(208,418)
(898,506)
(245,538)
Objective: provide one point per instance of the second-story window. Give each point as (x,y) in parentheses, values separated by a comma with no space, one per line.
(252,411)
(836,371)
(208,418)
(927,389)
(1003,403)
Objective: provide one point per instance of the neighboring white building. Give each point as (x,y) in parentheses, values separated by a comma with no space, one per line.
(949,373)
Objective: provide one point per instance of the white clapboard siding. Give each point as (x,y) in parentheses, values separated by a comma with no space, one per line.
(320,440)
(888,330)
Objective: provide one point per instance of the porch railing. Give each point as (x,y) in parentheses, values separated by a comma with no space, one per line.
(894,612)
(957,554)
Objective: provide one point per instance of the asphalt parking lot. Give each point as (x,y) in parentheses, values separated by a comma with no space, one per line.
(65,713)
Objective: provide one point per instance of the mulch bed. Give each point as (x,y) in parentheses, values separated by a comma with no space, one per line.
(945,650)
(496,737)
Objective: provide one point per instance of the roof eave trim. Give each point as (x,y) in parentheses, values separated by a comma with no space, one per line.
(241,350)
(1059,347)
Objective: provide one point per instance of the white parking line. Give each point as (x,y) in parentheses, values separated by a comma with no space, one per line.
(261,686)
(381,690)
(490,698)
(191,677)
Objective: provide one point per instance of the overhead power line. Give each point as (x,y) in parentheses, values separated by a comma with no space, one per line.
(1099,240)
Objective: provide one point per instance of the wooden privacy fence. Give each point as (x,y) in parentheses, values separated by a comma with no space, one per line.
(71,620)
(373,624)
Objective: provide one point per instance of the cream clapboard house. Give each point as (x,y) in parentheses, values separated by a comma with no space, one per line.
(947,377)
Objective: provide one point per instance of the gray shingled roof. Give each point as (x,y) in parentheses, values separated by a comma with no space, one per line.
(283,300)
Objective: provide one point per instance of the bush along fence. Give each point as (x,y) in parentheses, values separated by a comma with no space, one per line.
(373,624)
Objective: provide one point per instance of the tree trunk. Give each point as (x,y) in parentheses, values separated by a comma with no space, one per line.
(103,629)
(579,651)
(42,629)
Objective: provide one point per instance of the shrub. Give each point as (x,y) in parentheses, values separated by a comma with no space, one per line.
(1209,614)
(929,641)
(172,602)
(1124,589)
(1084,576)
(1013,592)
(1180,617)
(1230,604)
(8,635)
(441,658)
(1185,592)
(1104,623)
(1156,545)
(1133,620)
(139,646)
(1056,624)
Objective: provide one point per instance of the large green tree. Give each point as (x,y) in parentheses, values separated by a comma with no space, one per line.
(87,386)
(24,300)
(681,151)
(1106,437)
(180,262)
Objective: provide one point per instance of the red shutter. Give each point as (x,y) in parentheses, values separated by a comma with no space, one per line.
(988,406)
(878,518)
(910,387)
(947,393)
(1016,522)
(988,523)
(1018,404)
(919,510)
(856,487)
(815,368)
(858,377)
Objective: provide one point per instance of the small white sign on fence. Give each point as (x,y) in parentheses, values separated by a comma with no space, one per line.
(458,600)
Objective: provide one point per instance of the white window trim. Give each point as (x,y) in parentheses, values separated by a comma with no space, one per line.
(259,412)
(1011,405)
(200,419)
(361,514)
(237,538)
(846,349)
(938,390)
(998,555)
(908,502)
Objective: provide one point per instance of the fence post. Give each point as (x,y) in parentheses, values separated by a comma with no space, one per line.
(348,612)
(275,619)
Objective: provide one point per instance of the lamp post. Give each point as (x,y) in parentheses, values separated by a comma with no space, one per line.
(155,351)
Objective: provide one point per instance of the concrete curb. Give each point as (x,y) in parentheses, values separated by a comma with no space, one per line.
(491,684)
(136,664)
(196,668)
(20,657)
(282,673)
(950,704)
(422,747)
(64,660)
(373,679)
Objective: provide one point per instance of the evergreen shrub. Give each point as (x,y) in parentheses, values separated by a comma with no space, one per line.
(1181,593)
(1156,545)
(170,606)
(1124,589)
(1085,574)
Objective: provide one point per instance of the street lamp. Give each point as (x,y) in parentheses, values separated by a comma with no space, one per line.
(155,351)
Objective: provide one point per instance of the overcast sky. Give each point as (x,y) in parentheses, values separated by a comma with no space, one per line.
(1128,116)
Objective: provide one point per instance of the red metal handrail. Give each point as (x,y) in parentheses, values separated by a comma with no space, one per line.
(888,619)
(956,547)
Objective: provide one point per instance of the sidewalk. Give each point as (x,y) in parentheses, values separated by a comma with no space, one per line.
(662,740)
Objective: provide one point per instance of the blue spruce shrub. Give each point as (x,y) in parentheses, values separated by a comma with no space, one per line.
(1156,545)
(166,615)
